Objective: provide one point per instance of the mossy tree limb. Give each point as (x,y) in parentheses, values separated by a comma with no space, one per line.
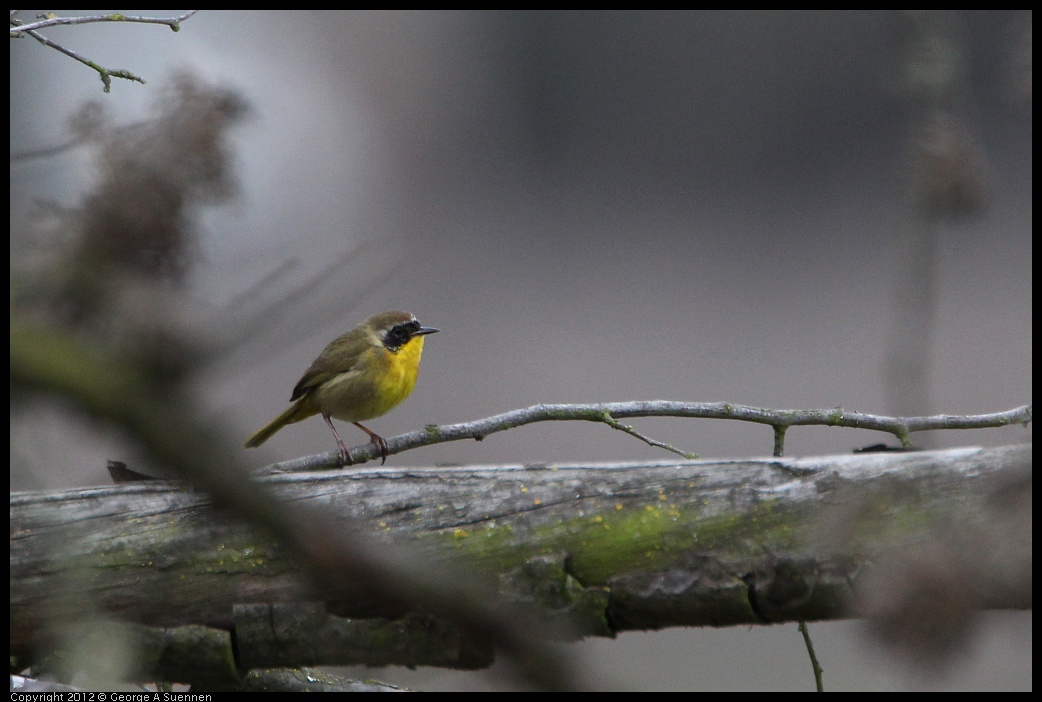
(605,548)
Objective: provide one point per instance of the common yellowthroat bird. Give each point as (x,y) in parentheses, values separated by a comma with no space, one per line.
(361,375)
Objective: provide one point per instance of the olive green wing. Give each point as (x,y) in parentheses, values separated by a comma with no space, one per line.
(340,356)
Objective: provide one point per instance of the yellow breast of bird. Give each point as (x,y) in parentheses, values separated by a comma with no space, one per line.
(379,382)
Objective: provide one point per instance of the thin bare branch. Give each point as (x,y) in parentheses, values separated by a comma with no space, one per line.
(173,22)
(819,682)
(609,412)
(627,429)
(107,74)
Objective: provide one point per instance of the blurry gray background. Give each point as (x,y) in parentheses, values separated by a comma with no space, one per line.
(592,207)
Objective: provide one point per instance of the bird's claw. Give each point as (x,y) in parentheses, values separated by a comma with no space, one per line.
(381,445)
(345,455)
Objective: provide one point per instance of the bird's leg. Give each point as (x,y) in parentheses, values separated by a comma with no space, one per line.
(378,440)
(345,456)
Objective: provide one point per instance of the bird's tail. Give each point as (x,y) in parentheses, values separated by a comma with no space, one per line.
(298,411)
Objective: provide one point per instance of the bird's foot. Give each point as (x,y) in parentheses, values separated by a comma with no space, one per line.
(381,445)
(345,455)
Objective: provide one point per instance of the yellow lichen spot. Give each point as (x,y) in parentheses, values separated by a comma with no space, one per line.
(537,501)
(524,489)
(618,506)
(598,519)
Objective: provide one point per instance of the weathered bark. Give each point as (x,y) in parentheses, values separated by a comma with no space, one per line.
(610,547)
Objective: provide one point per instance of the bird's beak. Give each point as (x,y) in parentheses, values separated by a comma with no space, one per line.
(426,330)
